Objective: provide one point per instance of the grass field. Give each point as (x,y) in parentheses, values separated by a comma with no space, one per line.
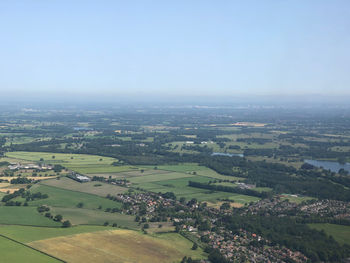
(27,234)
(95,217)
(13,252)
(89,187)
(296,199)
(157,177)
(119,246)
(66,198)
(16,215)
(340,233)
(176,181)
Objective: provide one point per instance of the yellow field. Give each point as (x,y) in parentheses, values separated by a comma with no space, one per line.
(117,246)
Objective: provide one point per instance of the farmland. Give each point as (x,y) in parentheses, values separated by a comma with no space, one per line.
(77,162)
(101,247)
(134,190)
(100,189)
(65,198)
(23,216)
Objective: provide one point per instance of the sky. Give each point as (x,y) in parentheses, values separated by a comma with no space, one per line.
(175,48)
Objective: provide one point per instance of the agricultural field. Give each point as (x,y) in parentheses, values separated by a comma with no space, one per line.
(176,181)
(95,188)
(295,198)
(119,246)
(14,215)
(58,197)
(81,216)
(26,234)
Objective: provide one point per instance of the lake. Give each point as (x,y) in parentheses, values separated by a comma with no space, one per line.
(328,165)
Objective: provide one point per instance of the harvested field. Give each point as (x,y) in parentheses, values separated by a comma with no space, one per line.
(117,246)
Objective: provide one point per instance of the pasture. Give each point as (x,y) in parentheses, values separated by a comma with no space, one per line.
(176,180)
(119,246)
(66,198)
(95,217)
(95,188)
(17,215)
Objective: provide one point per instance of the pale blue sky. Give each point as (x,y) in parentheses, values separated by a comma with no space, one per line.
(184,48)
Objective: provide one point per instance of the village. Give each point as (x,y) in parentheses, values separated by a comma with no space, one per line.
(203,225)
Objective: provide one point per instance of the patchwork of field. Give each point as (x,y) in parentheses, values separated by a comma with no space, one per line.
(81,163)
(175,179)
(94,242)
(339,232)
(118,246)
(95,188)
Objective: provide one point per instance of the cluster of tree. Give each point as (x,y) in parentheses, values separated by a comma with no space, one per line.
(57,218)
(33,196)
(21,180)
(15,194)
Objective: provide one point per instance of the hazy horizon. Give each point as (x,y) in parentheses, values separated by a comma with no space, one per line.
(227,49)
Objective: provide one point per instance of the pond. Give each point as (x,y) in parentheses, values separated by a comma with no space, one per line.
(328,165)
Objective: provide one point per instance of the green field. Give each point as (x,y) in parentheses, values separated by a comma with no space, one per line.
(157,177)
(295,199)
(338,232)
(13,252)
(27,234)
(176,180)
(95,188)
(16,215)
(66,198)
(95,217)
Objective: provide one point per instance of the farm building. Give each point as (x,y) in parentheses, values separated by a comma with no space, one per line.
(80,178)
